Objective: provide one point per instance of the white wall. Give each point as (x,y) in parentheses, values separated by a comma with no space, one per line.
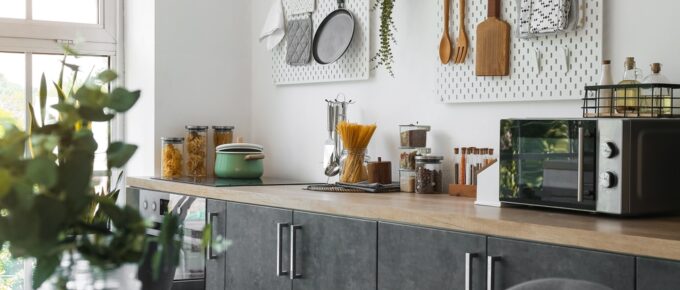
(289,120)
(190,60)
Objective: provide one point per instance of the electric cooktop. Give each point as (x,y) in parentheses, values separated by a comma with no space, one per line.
(224,182)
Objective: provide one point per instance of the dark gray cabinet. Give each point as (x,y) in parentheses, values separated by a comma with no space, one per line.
(215,264)
(334,252)
(251,259)
(421,258)
(519,261)
(655,274)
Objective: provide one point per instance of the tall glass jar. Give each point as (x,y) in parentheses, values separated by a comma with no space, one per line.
(429,174)
(172,149)
(353,166)
(197,151)
(413,136)
(223,135)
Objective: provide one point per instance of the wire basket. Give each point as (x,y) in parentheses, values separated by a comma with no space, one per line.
(632,101)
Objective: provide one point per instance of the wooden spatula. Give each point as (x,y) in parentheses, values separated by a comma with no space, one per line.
(493,44)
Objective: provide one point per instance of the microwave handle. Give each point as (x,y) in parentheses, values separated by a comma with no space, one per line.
(579,188)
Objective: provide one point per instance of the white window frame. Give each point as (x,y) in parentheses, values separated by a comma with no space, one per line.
(46,37)
(102,32)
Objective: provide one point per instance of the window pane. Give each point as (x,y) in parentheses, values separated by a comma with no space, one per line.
(11,271)
(13,9)
(77,11)
(13,88)
(88,65)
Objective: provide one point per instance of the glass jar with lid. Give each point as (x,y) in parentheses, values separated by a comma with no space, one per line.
(407,180)
(413,136)
(196,151)
(407,157)
(223,135)
(429,174)
(172,149)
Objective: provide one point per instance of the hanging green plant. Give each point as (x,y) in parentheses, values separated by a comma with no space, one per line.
(384,56)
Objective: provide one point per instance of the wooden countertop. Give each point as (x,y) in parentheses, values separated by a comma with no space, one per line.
(653,237)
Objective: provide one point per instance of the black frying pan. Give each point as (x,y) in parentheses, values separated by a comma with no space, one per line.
(334,35)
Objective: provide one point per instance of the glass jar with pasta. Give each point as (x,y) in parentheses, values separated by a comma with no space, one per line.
(196,164)
(172,149)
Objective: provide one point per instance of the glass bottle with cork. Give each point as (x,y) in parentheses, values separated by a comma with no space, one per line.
(660,98)
(627,99)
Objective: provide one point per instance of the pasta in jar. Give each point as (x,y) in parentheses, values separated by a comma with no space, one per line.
(171,157)
(197,151)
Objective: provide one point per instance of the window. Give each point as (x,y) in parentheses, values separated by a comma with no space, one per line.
(31,35)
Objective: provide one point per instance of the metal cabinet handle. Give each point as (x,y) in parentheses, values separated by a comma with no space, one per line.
(468,270)
(293,252)
(489,271)
(279,248)
(579,178)
(211,220)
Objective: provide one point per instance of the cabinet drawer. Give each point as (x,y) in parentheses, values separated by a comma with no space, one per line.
(422,258)
(520,261)
(655,274)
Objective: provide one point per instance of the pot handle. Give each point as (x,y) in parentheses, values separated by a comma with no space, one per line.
(254,157)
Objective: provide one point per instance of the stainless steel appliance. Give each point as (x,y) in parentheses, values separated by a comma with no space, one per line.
(613,166)
(190,272)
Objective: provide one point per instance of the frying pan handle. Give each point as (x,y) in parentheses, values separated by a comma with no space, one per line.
(494,8)
(341,4)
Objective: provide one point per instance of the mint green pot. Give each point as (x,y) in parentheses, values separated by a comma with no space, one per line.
(241,165)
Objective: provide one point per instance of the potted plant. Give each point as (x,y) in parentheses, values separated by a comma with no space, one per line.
(384,56)
(49,209)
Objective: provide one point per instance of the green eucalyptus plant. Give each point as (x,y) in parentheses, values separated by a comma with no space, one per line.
(49,208)
(384,56)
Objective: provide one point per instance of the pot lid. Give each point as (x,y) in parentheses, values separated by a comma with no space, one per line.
(239,147)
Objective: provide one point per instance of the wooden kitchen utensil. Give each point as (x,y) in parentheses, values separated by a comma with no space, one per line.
(462,41)
(493,43)
(445,44)
(380,172)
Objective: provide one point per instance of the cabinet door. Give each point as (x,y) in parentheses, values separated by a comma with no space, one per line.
(520,261)
(334,252)
(251,259)
(654,274)
(422,258)
(216,262)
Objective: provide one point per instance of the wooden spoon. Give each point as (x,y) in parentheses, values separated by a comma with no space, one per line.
(445,44)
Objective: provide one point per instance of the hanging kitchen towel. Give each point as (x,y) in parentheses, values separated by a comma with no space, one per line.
(549,15)
(274,29)
(524,26)
(299,40)
(300,6)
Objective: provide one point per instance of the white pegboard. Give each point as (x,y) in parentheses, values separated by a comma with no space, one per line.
(457,83)
(354,65)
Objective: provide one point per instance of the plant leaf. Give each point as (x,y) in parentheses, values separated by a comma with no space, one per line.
(94,115)
(91,97)
(42,171)
(107,76)
(44,268)
(5,182)
(43,98)
(60,92)
(121,100)
(119,153)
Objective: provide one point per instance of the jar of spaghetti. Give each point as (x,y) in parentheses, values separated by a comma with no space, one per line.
(172,149)
(197,151)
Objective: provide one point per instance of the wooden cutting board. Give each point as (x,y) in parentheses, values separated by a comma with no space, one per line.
(493,44)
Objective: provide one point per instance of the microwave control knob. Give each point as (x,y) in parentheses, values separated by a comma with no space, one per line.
(608,150)
(607,179)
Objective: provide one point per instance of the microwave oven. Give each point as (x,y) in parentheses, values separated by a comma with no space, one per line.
(612,166)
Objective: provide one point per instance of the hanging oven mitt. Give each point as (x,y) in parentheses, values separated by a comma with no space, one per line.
(299,40)
(549,16)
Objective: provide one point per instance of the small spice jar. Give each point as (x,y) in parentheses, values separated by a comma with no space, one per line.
(197,151)
(223,135)
(172,149)
(413,136)
(407,180)
(429,174)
